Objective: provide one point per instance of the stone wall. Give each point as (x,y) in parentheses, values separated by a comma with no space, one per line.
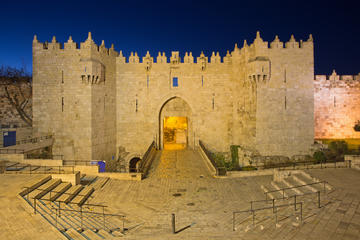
(95,101)
(337,106)
(74,99)
(8,114)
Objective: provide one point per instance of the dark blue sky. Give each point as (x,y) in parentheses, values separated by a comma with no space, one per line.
(184,26)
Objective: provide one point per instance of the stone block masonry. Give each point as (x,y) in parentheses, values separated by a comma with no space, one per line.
(95,101)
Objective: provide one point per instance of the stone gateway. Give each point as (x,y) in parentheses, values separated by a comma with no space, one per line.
(96,101)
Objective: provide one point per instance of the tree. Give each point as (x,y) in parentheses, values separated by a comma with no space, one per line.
(17,85)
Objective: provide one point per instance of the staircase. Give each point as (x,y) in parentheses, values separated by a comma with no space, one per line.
(297,189)
(65,207)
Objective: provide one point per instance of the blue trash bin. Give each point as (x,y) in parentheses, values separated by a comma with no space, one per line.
(101,166)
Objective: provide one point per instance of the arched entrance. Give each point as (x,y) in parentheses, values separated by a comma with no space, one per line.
(133,164)
(175,124)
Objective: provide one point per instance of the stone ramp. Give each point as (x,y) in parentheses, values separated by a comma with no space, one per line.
(180,164)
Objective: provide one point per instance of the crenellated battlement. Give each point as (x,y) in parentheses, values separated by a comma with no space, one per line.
(337,81)
(70,45)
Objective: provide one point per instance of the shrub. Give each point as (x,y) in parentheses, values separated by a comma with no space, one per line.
(319,156)
(357,126)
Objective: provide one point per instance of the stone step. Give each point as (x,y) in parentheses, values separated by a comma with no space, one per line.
(92,235)
(58,191)
(288,192)
(99,182)
(70,193)
(75,235)
(276,186)
(301,181)
(272,195)
(83,196)
(37,182)
(45,208)
(106,234)
(45,188)
(291,183)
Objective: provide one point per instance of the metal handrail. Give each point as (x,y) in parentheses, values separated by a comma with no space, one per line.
(213,162)
(297,186)
(302,163)
(274,207)
(11,151)
(33,140)
(33,169)
(74,162)
(146,158)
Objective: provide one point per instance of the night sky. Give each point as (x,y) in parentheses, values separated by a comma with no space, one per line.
(184,26)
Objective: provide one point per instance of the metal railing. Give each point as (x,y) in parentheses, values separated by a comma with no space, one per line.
(146,158)
(67,162)
(20,168)
(11,151)
(275,211)
(89,213)
(33,140)
(297,186)
(220,171)
(38,156)
(306,164)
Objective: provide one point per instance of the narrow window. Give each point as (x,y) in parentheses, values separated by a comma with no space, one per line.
(175,82)
(285,76)
(202,80)
(147,81)
(62,104)
(213,101)
(136,105)
(285,103)
(62,76)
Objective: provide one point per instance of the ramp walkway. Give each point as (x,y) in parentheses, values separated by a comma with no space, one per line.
(180,164)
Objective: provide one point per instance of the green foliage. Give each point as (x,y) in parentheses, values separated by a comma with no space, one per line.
(234,155)
(248,168)
(338,147)
(319,157)
(220,161)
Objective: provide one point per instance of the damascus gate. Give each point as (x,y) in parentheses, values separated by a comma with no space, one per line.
(98,103)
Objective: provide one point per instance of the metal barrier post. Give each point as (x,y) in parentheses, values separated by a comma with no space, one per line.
(251,205)
(173,222)
(81,218)
(273,203)
(233,221)
(295,202)
(318,199)
(253,217)
(104,217)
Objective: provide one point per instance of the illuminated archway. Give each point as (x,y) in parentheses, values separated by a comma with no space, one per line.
(175,124)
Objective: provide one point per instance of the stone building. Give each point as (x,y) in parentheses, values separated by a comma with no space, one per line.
(96,101)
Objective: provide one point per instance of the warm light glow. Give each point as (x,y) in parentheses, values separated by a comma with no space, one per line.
(175,133)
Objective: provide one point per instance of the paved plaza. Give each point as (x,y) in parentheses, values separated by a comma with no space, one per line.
(179,183)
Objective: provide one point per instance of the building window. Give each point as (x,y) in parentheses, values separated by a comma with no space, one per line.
(175,82)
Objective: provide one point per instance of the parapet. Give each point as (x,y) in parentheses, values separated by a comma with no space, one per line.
(337,81)
(70,45)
